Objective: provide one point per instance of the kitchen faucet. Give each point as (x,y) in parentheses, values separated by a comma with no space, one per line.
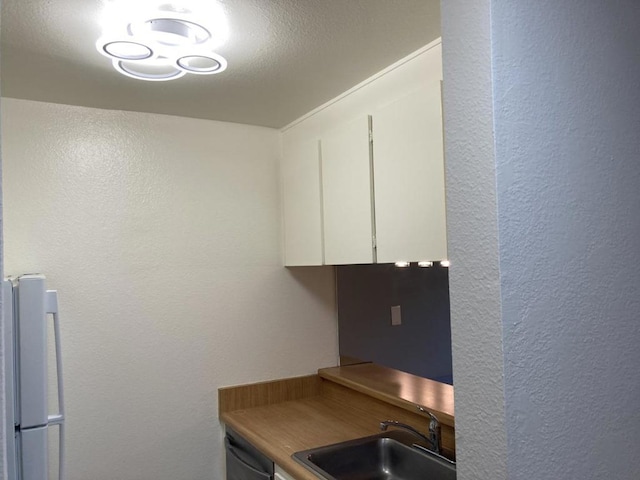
(434,429)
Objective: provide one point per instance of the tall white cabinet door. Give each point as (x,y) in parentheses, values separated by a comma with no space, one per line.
(302,209)
(408,163)
(347,195)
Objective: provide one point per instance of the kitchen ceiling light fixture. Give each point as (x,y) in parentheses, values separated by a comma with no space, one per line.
(156,71)
(164,44)
(172,32)
(445,263)
(202,64)
(125,50)
(425,264)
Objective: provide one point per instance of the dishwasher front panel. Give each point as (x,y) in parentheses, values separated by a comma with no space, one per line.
(244,461)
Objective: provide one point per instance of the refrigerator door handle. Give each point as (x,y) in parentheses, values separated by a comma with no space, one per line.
(51,305)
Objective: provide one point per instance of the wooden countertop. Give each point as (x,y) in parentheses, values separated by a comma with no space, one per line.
(279,430)
(285,416)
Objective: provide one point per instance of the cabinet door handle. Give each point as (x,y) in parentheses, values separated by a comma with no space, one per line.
(232,451)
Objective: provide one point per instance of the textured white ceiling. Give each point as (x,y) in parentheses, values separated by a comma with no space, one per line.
(285,57)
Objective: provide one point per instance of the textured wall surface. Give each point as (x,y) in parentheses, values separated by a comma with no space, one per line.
(3,453)
(476,326)
(162,235)
(567,116)
(422,344)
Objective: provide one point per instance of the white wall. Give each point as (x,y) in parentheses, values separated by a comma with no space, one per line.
(567,119)
(472,232)
(546,103)
(162,235)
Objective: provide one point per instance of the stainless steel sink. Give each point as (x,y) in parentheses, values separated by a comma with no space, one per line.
(387,456)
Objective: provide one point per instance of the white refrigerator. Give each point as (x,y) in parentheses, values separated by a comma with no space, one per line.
(30,312)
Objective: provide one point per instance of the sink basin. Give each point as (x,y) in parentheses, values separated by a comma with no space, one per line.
(387,456)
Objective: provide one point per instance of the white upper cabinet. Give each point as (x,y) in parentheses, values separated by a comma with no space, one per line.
(408,170)
(300,172)
(346,193)
(363,175)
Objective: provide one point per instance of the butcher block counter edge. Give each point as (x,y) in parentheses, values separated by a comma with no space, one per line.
(395,387)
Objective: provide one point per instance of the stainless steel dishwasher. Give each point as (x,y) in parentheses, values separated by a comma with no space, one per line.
(244,461)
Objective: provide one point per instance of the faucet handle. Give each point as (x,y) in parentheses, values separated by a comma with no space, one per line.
(427,412)
(434,429)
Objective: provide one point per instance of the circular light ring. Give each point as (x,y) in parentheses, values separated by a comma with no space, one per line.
(130,71)
(216,63)
(172,32)
(138,50)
